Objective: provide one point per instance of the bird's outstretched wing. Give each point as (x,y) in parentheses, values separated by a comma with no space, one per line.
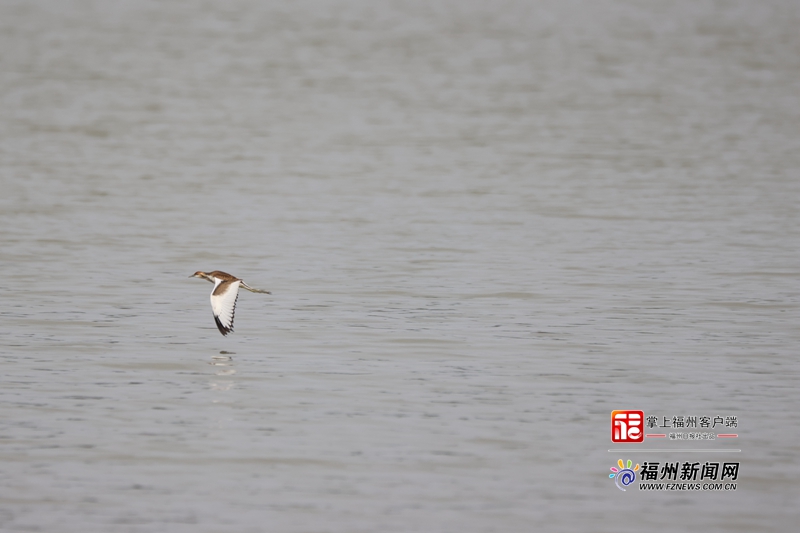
(223,304)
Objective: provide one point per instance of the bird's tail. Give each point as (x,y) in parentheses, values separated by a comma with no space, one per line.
(251,289)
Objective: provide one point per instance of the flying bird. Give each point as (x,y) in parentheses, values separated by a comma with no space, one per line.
(224,296)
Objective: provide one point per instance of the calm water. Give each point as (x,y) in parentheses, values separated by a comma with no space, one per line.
(485,226)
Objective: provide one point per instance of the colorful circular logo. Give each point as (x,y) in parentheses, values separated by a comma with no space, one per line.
(624,475)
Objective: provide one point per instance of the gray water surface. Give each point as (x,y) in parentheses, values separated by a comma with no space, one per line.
(485,226)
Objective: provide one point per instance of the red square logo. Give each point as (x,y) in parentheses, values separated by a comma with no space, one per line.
(627,426)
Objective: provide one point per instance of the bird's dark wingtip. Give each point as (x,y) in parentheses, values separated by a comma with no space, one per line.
(222,329)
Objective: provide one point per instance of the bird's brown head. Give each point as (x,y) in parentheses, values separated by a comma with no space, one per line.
(200,274)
